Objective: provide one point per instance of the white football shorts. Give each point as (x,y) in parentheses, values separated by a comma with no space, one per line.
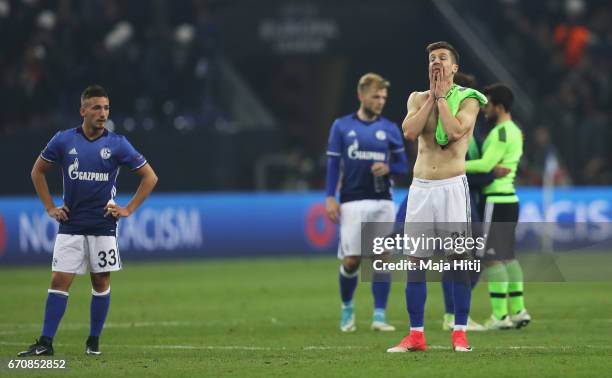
(78,253)
(437,208)
(353,213)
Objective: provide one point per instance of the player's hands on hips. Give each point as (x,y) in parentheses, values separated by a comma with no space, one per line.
(333,209)
(380,169)
(116,211)
(60,214)
(500,171)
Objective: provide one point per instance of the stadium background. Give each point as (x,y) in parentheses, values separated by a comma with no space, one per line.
(231,102)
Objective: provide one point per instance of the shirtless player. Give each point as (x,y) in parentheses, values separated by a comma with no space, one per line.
(442,119)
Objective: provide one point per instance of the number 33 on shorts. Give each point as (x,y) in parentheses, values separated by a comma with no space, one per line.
(112,258)
(77,253)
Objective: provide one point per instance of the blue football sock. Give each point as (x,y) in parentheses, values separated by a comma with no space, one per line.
(381,286)
(416,294)
(100,303)
(462,296)
(54,310)
(447,291)
(348,284)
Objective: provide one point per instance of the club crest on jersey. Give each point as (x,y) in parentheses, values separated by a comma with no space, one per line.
(355,154)
(381,135)
(352,133)
(105,153)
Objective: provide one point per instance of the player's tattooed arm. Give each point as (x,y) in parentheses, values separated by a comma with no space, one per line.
(41,167)
(419,107)
(148,180)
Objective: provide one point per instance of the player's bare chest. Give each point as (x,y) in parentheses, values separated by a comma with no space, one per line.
(432,122)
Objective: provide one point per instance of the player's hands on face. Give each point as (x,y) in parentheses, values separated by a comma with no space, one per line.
(443,85)
(500,171)
(116,211)
(60,214)
(380,169)
(333,209)
(432,83)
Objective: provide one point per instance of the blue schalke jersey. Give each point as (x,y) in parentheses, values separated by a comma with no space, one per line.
(90,169)
(360,144)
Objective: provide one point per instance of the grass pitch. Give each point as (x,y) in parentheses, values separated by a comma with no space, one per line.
(280,318)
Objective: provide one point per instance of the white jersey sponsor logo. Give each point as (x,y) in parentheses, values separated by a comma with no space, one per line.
(355,154)
(75,174)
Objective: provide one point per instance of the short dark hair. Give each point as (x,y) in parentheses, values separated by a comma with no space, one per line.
(444,45)
(500,94)
(93,91)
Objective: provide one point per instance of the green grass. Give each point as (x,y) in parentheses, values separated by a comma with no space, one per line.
(182,319)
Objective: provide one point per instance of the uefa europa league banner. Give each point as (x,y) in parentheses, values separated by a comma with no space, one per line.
(250,224)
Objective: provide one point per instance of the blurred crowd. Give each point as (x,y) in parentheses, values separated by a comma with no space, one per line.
(153,56)
(564,49)
(561,51)
(156,58)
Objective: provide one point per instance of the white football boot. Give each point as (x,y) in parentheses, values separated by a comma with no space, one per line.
(520,319)
(494,324)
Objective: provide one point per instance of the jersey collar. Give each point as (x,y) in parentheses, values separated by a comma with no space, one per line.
(367,123)
(79,130)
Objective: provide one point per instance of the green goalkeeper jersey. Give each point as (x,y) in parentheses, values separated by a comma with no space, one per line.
(503,146)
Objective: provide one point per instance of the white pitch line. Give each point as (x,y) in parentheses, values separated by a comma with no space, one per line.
(186,347)
(161,323)
(200,347)
(9,328)
(315,347)
(322,347)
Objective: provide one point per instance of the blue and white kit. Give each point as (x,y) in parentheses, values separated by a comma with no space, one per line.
(89,171)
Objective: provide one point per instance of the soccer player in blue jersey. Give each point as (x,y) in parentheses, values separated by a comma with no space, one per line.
(90,157)
(370,148)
